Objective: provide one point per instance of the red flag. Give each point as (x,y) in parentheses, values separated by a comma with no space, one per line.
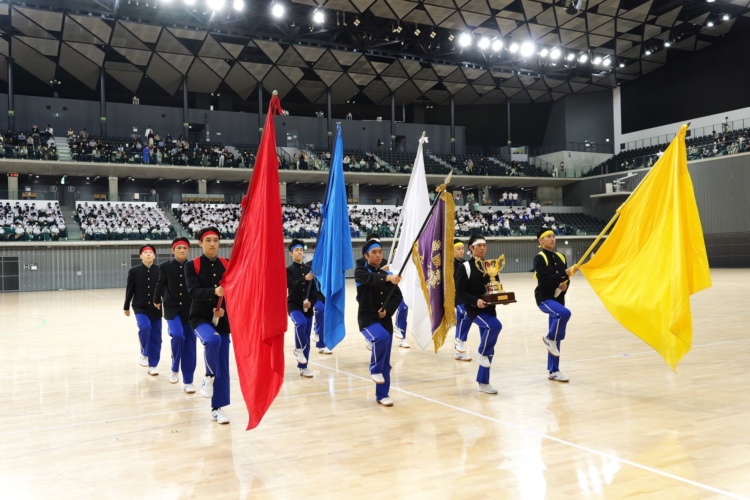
(255,282)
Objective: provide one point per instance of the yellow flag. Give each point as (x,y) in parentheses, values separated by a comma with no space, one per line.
(655,258)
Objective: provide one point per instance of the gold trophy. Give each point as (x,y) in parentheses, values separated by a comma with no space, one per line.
(495,293)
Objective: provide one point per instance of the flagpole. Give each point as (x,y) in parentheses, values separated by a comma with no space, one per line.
(439,189)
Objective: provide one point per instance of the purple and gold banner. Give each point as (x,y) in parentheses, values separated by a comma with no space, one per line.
(433,256)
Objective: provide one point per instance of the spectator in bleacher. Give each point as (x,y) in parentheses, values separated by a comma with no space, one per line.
(49,131)
(146,155)
(725,125)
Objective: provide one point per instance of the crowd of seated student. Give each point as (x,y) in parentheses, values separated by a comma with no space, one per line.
(30,145)
(33,221)
(123,221)
(194,217)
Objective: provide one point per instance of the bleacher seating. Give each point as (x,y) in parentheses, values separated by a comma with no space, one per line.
(123,221)
(31,221)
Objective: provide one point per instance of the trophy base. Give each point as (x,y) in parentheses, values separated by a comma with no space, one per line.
(501,297)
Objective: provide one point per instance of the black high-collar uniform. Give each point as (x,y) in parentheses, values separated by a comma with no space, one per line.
(171,290)
(140,290)
(457,268)
(372,289)
(201,289)
(470,288)
(297,287)
(549,275)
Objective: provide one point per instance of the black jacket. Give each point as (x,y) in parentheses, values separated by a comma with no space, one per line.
(171,290)
(297,288)
(470,288)
(372,289)
(549,275)
(457,265)
(201,289)
(140,290)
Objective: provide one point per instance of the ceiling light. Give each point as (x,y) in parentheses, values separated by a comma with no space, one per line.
(597,60)
(570,56)
(239,5)
(583,57)
(725,17)
(318,17)
(433,34)
(464,40)
(513,48)
(648,52)
(356,21)
(277,10)
(710,1)
(710,24)
(417,32)
(667,43)
(215,5)
(555,53)
(527,49)
(484,43)
(622,64)
(451,37)
(497,45)
(607,62)
(189,2)
(544,52)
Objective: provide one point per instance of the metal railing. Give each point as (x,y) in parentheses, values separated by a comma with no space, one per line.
(707,130)
(584,147)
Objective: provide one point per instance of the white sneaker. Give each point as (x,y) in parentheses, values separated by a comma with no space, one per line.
(189,389)
(174,377)
(558,377)
(377,378)
(305,372)
(219,416)
(153,371)
(463,356)
(398,333)
(314,337)
(325,350)
(143,361)
(300,355)
(487,389)
(484,361)
(207,389)
(368,345)
(403,343)
(551,346)
(386,401)
(461,346)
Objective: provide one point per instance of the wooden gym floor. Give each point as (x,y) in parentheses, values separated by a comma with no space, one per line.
(84,420)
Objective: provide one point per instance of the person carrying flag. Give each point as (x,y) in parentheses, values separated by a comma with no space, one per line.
(299,281)
(210,322)
(171,292)
(553,279)
(375,316)
(470,280)
(140,291)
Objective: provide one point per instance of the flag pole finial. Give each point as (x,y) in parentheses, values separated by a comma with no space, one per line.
(275,92)
(447,181)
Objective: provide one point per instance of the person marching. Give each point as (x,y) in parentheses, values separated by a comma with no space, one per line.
(139,290)
(300,280)
(319,310)
(463,323)
(374,316)
(171,292)
(210,323)
(553,279)
(470,283)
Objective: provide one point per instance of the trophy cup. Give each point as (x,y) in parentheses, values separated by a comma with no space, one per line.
(495,293)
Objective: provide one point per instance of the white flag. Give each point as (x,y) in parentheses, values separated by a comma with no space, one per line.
(415,210)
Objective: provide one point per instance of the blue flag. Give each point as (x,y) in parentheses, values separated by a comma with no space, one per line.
(333,252)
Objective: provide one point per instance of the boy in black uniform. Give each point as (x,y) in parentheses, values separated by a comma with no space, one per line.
(374,316)
(300,285)
(140,290)
(470,281)
(211,324)
(553,279)
(171,290)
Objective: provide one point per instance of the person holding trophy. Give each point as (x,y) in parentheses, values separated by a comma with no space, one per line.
(553,279)
(476,287)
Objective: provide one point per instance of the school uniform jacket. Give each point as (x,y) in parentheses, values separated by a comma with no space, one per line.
(297,287)
(140,290)
(550,272)
(457,268)
(372,290)
(172,291)
(470,287)
(201,289)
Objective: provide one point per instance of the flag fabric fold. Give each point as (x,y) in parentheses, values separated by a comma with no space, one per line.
(655,258)
(433,258)
(254,282)
(333,252)
(414,211)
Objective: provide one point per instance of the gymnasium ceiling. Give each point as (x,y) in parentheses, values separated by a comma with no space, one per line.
(365,50)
